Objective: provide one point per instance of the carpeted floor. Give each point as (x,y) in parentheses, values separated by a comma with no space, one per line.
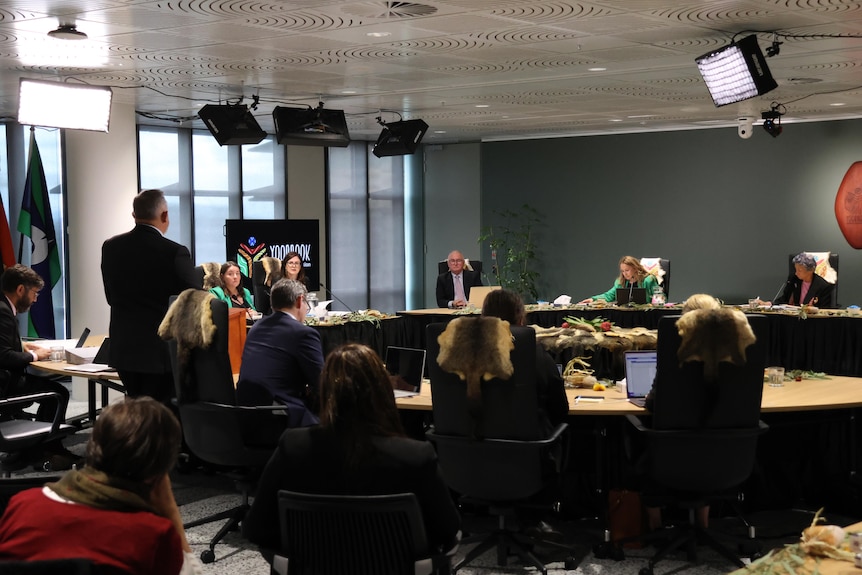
(201,493)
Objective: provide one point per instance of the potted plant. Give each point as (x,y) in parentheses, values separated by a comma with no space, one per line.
(513,250)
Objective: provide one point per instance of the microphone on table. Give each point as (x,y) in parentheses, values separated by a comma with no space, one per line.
(631,287)
(780,289)
(335,297)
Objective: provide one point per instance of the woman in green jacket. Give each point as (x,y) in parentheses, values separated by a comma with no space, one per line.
(231,290)
(632,273)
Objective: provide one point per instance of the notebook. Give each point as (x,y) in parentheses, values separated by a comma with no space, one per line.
(478,295)
(640,374)
(406,366)
(631,295)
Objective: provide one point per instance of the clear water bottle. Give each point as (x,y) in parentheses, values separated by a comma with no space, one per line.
(658,296)
(311,298)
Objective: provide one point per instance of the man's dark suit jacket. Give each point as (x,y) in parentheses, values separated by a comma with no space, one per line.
(820,288)
(446,286)
(141,269)
(281,360)
(310,460)
(12,356)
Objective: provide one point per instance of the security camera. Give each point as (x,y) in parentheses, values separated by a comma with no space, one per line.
(746,127)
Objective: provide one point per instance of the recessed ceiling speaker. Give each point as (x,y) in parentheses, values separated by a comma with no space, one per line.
(310,126)
(736,72)
(400,138)
(231,124)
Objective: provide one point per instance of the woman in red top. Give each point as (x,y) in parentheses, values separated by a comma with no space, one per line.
(119,510)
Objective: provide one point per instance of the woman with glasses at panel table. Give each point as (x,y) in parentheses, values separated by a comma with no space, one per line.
(292,269)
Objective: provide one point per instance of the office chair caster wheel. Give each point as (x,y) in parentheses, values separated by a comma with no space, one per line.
(207,556)
(645,571)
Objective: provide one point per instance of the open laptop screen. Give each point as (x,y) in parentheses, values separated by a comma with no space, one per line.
(640,372)
(406,366)
(631,295)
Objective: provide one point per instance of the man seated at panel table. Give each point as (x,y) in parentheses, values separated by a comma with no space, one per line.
(283,357)
(453,287)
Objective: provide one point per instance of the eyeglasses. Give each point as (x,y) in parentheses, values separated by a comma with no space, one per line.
(456,261)
(293,263)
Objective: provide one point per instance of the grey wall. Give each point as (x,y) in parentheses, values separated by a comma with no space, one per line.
(452,207)
(725,211)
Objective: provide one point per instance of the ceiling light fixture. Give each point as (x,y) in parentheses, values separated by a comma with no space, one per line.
(67,32)
(736,72)
(61,105)
(772,120)
(399,138)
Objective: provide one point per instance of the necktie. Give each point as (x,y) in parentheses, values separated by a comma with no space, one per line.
(459,288)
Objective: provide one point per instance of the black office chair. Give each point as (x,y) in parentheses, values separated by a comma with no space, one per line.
(702,443)
(264,273)
(215,429)
(476,265)
(356,534)
(207,274)
(21,438)
(502,460)
(664,264)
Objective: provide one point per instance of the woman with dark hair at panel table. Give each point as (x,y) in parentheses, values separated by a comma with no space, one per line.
(292,269)
(804,286)
(119,510)
(231,290)
(359,448)
(550,388)
(632,274)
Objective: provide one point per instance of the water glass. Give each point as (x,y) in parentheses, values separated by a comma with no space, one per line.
(58,354)
(775,376)
(752,303)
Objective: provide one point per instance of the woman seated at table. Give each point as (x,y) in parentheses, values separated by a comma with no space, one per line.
(119,510)
(804,286)
(359,448)
(291,268)
(632,274)
(550,389)
(231,290)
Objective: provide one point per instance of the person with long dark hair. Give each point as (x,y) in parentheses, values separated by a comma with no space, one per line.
(292,268)
(359,448)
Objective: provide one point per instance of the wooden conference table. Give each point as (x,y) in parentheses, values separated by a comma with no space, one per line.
(107,379)
(838,392)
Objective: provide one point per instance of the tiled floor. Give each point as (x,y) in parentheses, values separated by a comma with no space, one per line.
(200,493)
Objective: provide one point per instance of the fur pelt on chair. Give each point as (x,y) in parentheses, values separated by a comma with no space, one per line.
(476,349)
(211,275)
(272,267)
(189,321)
(713,336)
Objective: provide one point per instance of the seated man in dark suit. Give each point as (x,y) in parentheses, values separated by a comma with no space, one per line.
(453,287)
(283,357)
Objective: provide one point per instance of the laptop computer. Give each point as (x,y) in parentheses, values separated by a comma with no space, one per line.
(405,366)
(640,374)
(478,295)
(631,295)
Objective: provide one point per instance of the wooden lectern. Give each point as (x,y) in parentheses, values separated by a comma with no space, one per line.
(236,336)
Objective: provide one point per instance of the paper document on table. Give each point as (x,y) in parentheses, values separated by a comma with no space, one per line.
(90,367)
(49,343)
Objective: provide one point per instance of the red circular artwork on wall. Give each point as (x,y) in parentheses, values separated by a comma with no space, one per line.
(848,205)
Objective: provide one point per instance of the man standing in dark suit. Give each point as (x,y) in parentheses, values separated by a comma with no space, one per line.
(453,287)
(283,357)
(21,287)
(141,269)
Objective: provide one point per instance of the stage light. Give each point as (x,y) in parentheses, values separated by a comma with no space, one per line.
(399,138)
(60,105)
(736,72)
(231,124)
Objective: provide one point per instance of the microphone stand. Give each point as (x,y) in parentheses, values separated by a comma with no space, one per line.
(631,287)
(335,297)
(778,293)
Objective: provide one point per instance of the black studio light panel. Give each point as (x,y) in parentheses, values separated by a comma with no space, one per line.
(310,127)
(736,72)
(231,124)
(400,138)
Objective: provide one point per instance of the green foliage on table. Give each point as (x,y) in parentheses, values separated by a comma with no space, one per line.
(514,243)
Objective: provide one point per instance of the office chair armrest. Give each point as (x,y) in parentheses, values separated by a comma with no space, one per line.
(36,398)
(637,422)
